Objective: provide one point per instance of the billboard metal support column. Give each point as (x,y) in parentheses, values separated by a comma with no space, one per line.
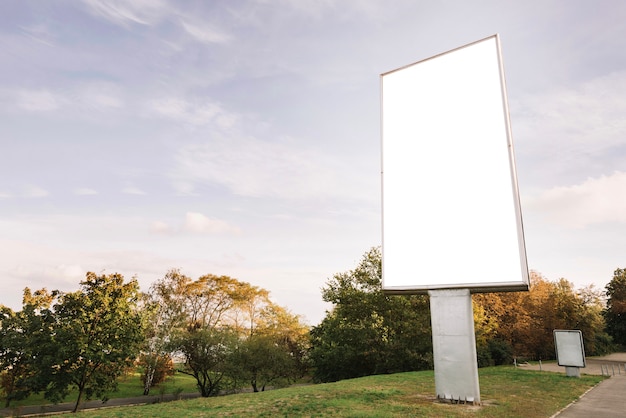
(454,346)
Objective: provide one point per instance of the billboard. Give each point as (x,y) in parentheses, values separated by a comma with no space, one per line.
(570,350)
(451,210)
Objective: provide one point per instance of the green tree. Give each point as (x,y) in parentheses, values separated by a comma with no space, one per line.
(97,337)
(164,312)
(273,351)
(368,332)
(260,361)
(24,340)
(215,319)
(208,353)
(289,333)
(615,313)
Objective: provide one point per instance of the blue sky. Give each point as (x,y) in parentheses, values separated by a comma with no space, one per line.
(243,137)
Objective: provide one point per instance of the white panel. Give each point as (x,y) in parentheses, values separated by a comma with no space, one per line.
(451,214)
(570,349)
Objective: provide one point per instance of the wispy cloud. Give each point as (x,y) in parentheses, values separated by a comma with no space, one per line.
(87,98)
(133,190)
(85,191)
(597,200)
(42,100)
(196,223)
(39,33)
(99,95)
(205,33)
(270,166)
(124,13)
(201,224)
(33,191)
(194,113)
(588,118)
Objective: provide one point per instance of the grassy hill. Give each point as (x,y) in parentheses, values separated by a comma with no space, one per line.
(505,392)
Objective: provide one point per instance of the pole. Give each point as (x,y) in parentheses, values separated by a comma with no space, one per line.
(454,346)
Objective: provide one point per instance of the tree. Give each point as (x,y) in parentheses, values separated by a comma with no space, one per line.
(368,332)
(521,324)
(208,353)
(164,312)
(289,333)
(615,313)
(260,361)
(24,341)
(98,334)
(156,369)
(215,319)
(274,351)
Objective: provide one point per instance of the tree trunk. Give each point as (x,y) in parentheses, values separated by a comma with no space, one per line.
(81,389)
(148,380)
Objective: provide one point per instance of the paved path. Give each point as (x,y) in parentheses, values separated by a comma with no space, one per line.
(606,400)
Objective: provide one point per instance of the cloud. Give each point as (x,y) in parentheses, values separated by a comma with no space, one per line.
(38,100)
(32,191)
(99,95)
(39,33)
(86,99)
(206,33)
(132,190)
(280,168)
(596,200)
(194,113)
(161,227)
(123,13)
(242,154)
(196,223)
(85,191)
(587,118)
(201,224)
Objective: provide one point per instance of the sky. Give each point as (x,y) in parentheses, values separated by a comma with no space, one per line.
(243,137)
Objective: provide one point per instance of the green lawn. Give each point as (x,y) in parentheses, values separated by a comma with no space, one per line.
(505,392)
(128,386)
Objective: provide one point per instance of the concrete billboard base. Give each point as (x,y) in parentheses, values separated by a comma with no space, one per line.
(454,346)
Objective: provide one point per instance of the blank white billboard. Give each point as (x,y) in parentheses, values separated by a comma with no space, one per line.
(570,350)
(451,212)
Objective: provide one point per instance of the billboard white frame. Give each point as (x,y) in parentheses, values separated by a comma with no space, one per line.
(451,209)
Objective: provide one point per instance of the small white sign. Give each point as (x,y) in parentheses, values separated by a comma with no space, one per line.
(570,350)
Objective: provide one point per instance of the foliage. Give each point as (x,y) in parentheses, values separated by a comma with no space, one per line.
(97,336)
(156,368)
(163,311)
(24,345)
(261,361)
(207,356)
(368,332)
(615,313)
(227,330)
(521,324)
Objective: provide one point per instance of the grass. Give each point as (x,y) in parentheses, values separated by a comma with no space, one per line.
(505,392)
(129,386)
